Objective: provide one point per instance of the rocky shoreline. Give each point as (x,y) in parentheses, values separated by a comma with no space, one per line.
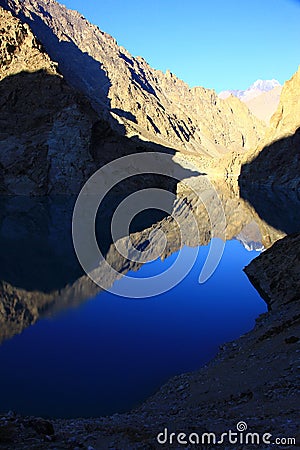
(252,379)
(66,129)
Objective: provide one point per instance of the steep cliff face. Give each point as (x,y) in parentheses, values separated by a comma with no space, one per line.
(45,125)
(277,160)
(51,139)
(286,119)
(19,50)
(125,90)
(276,276)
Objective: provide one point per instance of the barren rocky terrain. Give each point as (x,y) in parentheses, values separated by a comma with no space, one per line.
(253,379)
(91,99)
(45,124)
(71,100)
(276,161)
(134,98)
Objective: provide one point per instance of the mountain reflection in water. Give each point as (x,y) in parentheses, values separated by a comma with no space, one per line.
(40,277)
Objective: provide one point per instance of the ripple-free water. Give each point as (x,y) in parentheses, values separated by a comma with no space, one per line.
(111,353)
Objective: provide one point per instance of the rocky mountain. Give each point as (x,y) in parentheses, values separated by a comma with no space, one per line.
(264,105)
(133,98)
(51,139)
(262,98)
(277,160)
(89,101)
(45,124)
(257,88)
(286,119)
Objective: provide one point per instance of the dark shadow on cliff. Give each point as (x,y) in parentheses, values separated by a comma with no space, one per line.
(29,106)
(37,252)
(80,70)
(86,75)
(271,182)
(126,114)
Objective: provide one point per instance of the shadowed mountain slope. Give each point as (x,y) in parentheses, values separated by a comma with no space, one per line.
(277,162)
(45,124)
(51,139)
(125,90)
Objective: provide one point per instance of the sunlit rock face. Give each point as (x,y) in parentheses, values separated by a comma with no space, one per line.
(46,126)
(135,98)
(286,120)
(56,139)
(51,139)
(276,162)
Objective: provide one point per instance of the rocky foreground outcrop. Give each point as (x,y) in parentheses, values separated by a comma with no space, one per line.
(276,273)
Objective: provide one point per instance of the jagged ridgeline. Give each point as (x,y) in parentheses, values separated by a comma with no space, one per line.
(68,89)
(72,100)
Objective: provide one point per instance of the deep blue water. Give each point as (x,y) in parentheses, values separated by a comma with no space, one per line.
(111,353)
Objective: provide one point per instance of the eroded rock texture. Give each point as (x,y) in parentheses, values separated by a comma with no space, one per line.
(277,161)
(125,90)
(46,126)
(276,272)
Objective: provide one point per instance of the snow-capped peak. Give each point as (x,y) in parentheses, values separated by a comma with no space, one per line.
(257,88)
(264,85)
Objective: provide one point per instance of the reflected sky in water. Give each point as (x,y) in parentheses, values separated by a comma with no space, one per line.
(111,353)
(68,350)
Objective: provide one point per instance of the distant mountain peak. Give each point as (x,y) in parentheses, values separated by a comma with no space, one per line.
(257,88)
(264,85)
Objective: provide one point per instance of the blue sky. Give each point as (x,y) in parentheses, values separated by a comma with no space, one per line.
(217,44)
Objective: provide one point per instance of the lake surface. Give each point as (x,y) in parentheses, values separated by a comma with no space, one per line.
(69,349)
